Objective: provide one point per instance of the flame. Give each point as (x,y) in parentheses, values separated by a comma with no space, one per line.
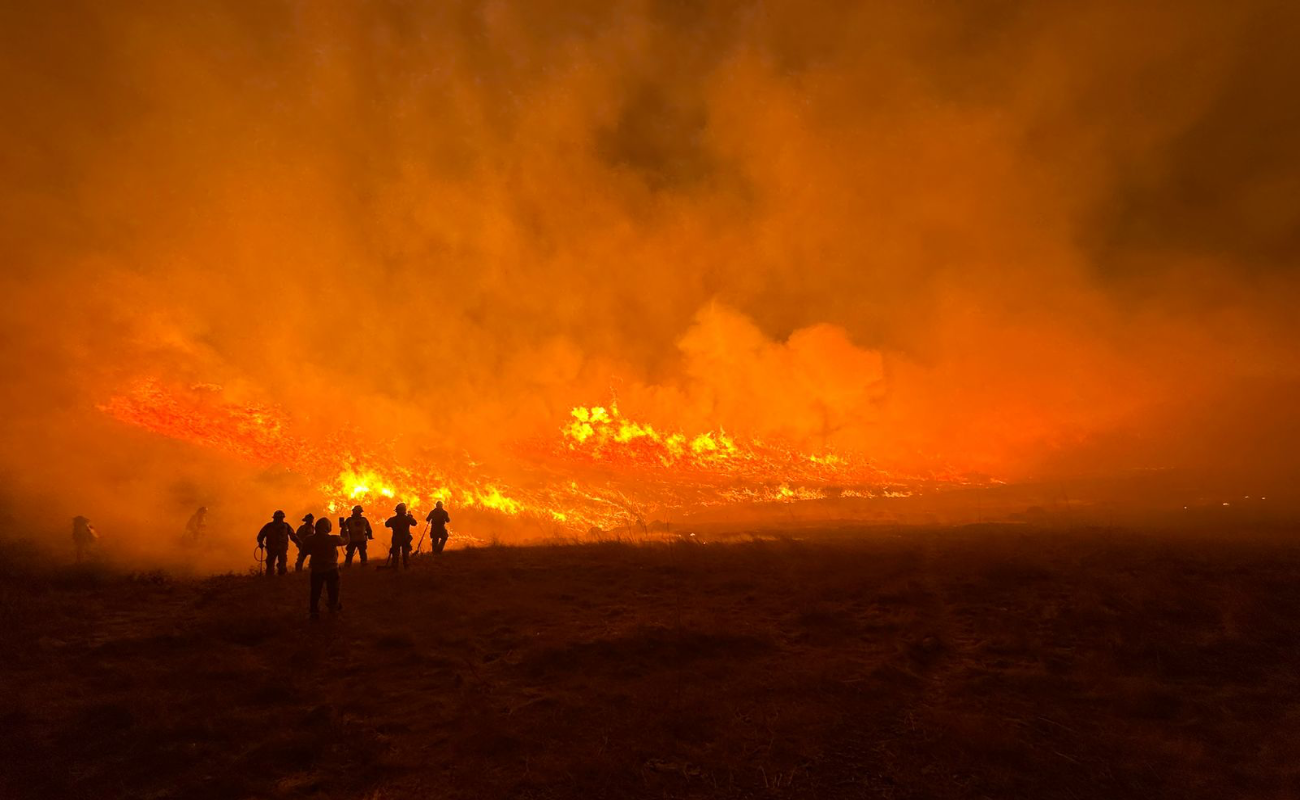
(604,436)
(603,469)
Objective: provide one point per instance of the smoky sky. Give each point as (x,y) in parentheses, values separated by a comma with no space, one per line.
(1016,237)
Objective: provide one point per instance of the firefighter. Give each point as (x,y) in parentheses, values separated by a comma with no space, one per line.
(83,537)
(196,527)
(438,519)
(305,530)
(401,524)
(323,547)
(358,531)
(275,536)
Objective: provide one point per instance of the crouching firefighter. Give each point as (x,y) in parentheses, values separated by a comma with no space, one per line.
(275,536)
(357,529)
(305,530)
(401,523)
(323,547)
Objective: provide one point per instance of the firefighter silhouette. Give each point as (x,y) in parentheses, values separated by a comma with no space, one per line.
(401,523)
(438,519)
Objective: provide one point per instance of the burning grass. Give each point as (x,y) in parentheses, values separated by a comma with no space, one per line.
(600,469)
(984,661)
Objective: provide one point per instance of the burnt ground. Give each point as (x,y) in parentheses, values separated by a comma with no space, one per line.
(974,662)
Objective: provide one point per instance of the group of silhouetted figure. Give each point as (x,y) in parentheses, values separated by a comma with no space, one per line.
(315,540)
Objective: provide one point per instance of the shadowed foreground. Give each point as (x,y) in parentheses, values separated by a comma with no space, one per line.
(978,662)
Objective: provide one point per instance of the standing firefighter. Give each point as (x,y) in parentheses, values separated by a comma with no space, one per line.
(83,536)
(401,523)
(438,519)
(275,536)
(357,529)
(324,550)
(305,530)
(196,528)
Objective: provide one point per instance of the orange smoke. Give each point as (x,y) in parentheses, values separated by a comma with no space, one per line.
(857,248)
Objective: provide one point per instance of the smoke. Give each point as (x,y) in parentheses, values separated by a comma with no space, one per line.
(1023,239)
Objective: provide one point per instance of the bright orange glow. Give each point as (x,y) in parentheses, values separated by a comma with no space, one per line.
(617,469)
(569,264)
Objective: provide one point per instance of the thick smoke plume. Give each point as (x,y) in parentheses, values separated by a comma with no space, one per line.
(1023,240)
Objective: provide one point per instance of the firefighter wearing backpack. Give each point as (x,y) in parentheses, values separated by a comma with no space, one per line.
(358,532)
(438,519)
(275,536)
(401,524)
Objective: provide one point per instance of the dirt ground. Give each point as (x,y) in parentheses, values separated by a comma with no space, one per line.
(986,661)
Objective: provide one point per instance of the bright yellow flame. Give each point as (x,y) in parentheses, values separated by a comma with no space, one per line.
(645,471)
(494,499)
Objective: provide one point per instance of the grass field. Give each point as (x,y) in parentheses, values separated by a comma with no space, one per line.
(986,661)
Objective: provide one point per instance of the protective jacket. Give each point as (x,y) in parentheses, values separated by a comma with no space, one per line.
(401,526)
(276,536)
(438,518)
(358,529)
(323,547)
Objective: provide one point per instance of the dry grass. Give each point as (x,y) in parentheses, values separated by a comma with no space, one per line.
(976,662)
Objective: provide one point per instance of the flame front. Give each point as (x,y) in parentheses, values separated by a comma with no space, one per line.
(604,435)
(603,470)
